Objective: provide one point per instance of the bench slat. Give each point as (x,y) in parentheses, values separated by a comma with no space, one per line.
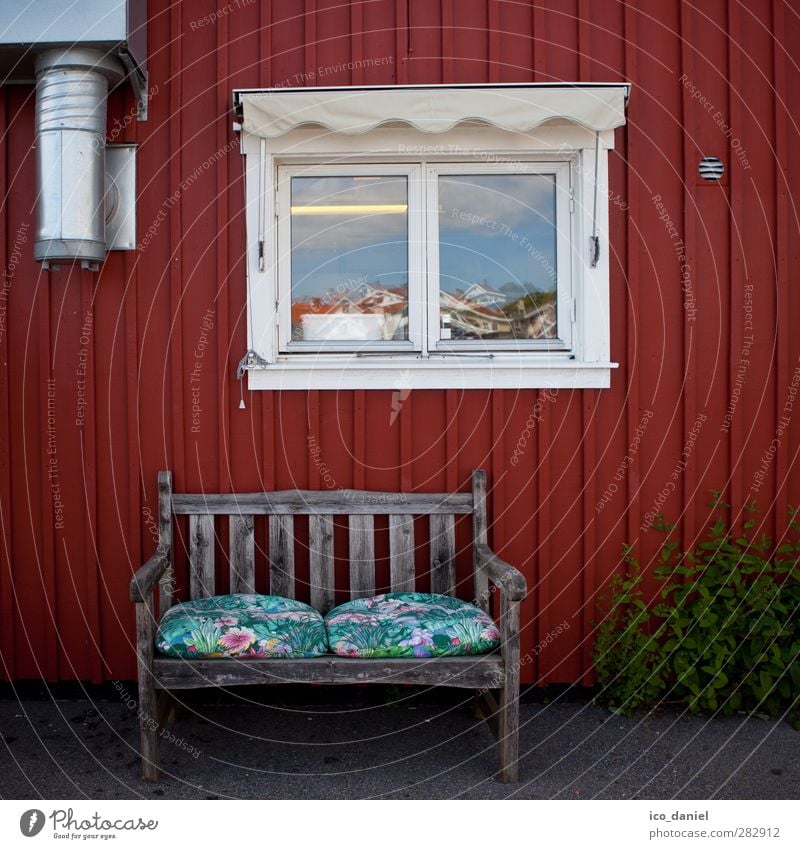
(320,542)
(362,555)
(472,671)
(339,502)
(443,554)
(201,556)
(242,554)
(281,555)
(479,537)
(401,553)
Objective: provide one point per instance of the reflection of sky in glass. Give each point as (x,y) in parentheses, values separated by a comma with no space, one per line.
(340,250)
(514,247)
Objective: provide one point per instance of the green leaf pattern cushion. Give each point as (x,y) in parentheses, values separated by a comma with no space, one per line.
(242,625)
(410,625)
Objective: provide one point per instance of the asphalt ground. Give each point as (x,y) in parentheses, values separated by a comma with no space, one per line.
(377,742)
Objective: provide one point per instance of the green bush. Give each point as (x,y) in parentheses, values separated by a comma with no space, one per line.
(725,635)
(625,654)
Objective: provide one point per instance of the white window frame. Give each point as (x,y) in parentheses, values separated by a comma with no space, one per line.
(582,362)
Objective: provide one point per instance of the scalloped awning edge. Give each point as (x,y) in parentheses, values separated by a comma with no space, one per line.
(275,112)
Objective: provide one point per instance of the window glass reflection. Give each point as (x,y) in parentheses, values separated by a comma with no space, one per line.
(349,263)
(497,256)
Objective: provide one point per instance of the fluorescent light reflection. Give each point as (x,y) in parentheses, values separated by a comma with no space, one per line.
(354,208)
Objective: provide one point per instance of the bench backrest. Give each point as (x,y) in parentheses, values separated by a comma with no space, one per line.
(360,507)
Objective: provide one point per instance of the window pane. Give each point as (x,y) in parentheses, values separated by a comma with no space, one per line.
(497,256)
(349,261)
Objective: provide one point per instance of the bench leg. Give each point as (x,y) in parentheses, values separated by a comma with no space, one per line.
(167,707)
(148,704)
(477,712)
(149,733)
(508,725)
(508,734)
(486,708)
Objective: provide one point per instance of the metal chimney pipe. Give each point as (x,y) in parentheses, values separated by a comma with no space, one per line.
(71,90)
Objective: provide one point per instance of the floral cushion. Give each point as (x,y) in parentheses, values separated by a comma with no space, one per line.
(242,625)
(410,625)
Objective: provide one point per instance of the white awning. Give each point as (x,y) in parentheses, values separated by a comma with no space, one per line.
(432,109)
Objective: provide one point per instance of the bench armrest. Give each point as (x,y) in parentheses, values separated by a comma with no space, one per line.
(147,576)
(503,575)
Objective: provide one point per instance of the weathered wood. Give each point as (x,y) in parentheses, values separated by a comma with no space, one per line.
(148,705)
(337,502)
(281,556)
(144,580)
(509,692)
(401,553)
(471,672)
(320,543)
(503,575)
(487,709)
(165,540)
(479,537)
(361,533)
(158,675)
(201,556)
(443,553)
(242,553)
(165,708)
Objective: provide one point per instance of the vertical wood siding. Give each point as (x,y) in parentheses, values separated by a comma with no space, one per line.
(106,378)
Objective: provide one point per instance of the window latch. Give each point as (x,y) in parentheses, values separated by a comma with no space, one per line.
(595,250)
(249,361)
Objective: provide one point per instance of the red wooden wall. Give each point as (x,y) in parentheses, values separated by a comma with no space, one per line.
(95,389)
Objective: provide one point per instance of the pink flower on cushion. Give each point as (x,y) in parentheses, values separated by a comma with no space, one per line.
(454,641)
(237,639)
(225,621)
(491,633)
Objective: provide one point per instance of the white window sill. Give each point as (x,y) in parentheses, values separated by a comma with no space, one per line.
(412,372)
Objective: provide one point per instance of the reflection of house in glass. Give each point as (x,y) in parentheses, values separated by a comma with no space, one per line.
(367,311)
(485,295)
(483,312)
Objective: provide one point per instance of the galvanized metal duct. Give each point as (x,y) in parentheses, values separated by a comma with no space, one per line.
(71,90)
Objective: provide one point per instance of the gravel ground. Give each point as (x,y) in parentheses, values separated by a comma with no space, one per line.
(384,743)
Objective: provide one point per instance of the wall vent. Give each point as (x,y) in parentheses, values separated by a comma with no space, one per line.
(711,168)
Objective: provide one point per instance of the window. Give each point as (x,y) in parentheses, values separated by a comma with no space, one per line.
(383,255)
(352,269)
(498,257)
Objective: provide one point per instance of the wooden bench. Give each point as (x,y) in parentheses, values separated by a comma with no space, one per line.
(494,676)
